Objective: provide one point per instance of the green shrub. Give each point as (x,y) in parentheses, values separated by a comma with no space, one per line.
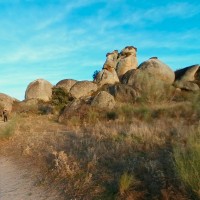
(60,98)
(112,115)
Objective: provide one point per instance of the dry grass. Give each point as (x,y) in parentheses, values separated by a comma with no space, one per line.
(124,155)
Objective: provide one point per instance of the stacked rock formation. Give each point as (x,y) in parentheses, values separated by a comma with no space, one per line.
(127,60)
(108,74)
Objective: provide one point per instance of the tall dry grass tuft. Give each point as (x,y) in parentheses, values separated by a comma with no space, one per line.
(187,160)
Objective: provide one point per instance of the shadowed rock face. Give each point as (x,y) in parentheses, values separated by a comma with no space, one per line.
(39,89)
(188,78)
(103,100)
(6,102)
(83,89)
(66,84)
(122,93)
(70,109)
(187,73)
(186,85)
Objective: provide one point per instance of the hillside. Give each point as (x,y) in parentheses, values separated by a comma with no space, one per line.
(131,133)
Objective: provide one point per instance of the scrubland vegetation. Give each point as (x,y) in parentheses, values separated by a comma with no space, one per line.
(135,151)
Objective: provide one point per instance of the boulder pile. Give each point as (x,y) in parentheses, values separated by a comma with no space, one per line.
(120,80)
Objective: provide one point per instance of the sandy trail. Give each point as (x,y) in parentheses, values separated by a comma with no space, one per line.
(16,183)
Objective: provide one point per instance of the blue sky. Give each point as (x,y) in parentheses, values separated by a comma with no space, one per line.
(59,39)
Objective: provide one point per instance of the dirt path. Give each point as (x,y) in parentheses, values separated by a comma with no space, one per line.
(17,183)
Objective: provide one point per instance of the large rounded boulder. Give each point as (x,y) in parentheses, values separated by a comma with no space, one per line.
(83,89)
(6,102)
(158,70)
(103,100)
(66,84)
(39,89)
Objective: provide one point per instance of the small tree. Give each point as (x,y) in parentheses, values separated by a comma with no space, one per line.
(95,74)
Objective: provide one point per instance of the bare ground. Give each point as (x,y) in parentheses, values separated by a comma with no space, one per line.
(19,181)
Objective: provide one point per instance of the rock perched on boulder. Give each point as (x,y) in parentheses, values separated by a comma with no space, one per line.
(103,100)
(39,89)
(187,73)
(158,70)
(83,89)
(127,60)
(106,77)
(108,74)
(188,78)
(6,102)
(111,60)
(66,84)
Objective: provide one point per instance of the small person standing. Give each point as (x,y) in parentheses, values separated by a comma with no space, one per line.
(5,115)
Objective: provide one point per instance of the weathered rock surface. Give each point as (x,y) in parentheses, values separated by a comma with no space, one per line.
(186,85)
(103,100)
(83,89)
(188,78)
(187,73)
(6,102)
(108,74)
(158,70)
(66,84)
(122,92)
(127,60)
(106,77)
(111,60)
(70,109)
(39,89)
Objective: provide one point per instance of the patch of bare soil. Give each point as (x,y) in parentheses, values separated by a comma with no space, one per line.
(19,183)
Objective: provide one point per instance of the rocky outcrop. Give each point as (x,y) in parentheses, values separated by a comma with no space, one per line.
(122,92)
(70,110)
(108,74)
(6,102)
(158,70)
(103,100)
(66,84)
(127,60)
(188,78)
(39,89)
(83,89)
(111,60)
(186,85)
(187,73)
(106,77)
